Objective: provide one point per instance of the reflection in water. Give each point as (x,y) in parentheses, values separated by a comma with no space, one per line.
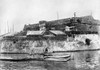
(39,65)
(35,65)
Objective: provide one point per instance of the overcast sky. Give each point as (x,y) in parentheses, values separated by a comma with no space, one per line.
(21,12)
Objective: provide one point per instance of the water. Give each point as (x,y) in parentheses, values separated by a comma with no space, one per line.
(32,65)
(41,65)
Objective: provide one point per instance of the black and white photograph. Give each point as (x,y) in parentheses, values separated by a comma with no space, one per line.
(49,34)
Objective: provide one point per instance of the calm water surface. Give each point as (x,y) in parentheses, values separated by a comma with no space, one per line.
(41,65)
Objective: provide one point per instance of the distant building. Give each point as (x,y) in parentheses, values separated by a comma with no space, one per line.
(58,29)
(42,25)
(86,24)
(31,27)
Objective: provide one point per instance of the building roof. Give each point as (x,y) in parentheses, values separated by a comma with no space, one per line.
(34,32)
(57,32)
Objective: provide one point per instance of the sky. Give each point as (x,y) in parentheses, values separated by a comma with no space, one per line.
(17,13)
